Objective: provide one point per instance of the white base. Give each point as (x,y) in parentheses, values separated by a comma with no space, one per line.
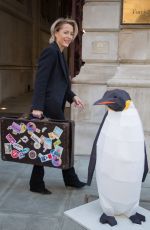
(88,216)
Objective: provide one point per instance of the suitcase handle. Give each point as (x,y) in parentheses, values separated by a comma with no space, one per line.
(29,116)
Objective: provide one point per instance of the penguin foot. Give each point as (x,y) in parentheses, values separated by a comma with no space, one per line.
(141,217)
(104,219)
(137,218)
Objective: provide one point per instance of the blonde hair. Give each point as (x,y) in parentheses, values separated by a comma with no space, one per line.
(56,26)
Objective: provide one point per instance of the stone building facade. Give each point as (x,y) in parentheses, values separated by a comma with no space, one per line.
(15,48)
(24,33)
(115,56)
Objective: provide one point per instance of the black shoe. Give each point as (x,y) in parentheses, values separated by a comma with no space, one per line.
(75,184)
(43,191)
(71,179)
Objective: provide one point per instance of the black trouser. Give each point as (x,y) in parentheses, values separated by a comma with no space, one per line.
(37,176)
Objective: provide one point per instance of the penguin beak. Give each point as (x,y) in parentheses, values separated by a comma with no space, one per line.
(104,102)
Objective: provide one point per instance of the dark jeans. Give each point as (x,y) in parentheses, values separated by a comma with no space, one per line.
(37,176)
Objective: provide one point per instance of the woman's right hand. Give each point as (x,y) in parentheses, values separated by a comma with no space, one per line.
(37,113)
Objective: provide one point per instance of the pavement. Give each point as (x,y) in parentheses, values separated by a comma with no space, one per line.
(21,209)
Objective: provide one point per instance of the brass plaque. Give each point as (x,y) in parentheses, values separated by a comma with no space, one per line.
(136,12)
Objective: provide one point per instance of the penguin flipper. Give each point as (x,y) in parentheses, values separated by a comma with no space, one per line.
(145,165)
(104,219)
(92,161)
(137,218)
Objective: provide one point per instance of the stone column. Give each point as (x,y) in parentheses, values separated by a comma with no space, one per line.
(100,54)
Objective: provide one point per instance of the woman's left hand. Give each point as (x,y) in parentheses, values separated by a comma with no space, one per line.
(78,102)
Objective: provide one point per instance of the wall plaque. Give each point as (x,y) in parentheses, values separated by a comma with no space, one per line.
(100,47)
(135,11)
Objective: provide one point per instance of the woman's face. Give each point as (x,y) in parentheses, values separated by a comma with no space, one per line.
(64,36)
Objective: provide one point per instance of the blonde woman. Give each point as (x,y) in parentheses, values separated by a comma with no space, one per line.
(52,90)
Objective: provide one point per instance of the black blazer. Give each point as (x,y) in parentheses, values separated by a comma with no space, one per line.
(52,84)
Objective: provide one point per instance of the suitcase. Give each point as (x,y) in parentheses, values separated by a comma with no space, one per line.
(39,142)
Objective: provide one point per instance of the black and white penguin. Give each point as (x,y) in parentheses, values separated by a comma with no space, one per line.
(120,157)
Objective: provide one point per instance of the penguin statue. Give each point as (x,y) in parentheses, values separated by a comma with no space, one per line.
(120,157)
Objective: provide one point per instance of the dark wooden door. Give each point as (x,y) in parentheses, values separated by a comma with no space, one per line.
(74,9)
(52,10)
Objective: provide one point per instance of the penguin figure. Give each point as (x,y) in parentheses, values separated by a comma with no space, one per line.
(120,156)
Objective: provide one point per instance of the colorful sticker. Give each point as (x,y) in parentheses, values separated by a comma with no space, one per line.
(10,138)
(32,154)
(35,138)
(8,148)
(15,153)
(24,139)
(31,127)
(23,128)
(42,139)
(21,155)
(57,131)
(15,127)
(38,130)
(37,145)
(45,158)
(59,149)
(56,143)
(52,136)
(56,161)
(9,128)
(15,133)
(44,129)
(55,153)
(44,150)
(25,150)
(17,146)
(47,143)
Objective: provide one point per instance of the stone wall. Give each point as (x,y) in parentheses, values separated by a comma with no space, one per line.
(115,57)
(15,47)
(100,53)
(24,33)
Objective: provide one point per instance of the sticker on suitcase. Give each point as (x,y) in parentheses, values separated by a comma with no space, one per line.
(27,140)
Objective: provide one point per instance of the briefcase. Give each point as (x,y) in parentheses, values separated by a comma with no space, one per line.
(39,142)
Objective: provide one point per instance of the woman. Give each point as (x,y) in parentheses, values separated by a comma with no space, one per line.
(52,90)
